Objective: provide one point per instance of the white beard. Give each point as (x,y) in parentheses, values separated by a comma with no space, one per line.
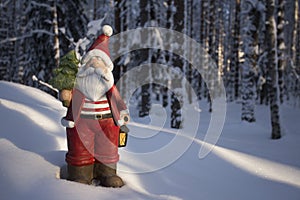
(92,83)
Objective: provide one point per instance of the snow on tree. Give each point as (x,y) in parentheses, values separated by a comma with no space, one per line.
(72,22)
(297,62)
(281,47)
(296,68)
(273,68)
(39,45)
(250,18)
(177,63)
(233,74)
(37,32)
(10,47)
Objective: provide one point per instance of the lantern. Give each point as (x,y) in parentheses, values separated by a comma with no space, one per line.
(123,136)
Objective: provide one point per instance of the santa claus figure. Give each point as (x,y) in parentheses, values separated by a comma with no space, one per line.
(93,119)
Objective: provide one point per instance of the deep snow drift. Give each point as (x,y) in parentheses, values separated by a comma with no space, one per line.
(244,165)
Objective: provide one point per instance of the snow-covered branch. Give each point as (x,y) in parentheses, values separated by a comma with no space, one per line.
(30,34)
(47,6)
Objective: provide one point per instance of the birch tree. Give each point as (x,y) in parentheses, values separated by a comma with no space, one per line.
(296,66)
(297,41)
(177,63)
(271,36)
(280,47)
(56,36)
(145,101)
(250,20)
(233,78)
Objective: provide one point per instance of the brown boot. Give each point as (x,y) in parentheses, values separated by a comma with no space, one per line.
(107,175)
(81,174)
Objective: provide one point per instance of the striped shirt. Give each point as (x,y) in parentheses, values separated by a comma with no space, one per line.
(95,107)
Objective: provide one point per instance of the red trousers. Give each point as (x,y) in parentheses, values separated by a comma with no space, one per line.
(92,141)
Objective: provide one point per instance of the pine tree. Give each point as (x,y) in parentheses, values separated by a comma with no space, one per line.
(72,23)
(10,46)
(39,45)
(36,33)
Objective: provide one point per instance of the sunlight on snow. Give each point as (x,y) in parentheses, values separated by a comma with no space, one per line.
(38,118)
(258,166)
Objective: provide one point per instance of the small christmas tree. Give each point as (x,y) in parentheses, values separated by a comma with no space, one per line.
(64,76)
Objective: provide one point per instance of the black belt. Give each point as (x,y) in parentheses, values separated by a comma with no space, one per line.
(96,116)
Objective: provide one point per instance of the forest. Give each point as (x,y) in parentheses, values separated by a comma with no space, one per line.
(252,45)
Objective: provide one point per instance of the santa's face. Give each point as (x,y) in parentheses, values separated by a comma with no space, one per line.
(94,79)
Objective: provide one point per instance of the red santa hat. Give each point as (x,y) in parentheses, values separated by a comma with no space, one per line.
(100,48)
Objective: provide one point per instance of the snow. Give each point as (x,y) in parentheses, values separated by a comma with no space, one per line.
(244,164)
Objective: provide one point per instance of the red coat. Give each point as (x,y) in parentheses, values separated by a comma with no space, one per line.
(93,140)
(114,99)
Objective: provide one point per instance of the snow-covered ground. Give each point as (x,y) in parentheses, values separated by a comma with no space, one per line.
(245,164)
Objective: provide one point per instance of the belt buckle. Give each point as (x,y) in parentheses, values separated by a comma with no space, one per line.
(99,116)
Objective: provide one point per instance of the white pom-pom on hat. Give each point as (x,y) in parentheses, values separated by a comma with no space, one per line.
(107,30)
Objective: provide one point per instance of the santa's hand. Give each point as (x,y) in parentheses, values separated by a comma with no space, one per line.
(124,117)
(67,123)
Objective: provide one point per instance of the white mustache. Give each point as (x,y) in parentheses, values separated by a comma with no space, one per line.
(103,73)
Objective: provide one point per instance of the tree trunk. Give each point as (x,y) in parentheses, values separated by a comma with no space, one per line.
(250,20)
(177,96)
(271,37)
(145,101)
(297,43)
(56,36)
(281,47)
(117,22)
(234,64)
